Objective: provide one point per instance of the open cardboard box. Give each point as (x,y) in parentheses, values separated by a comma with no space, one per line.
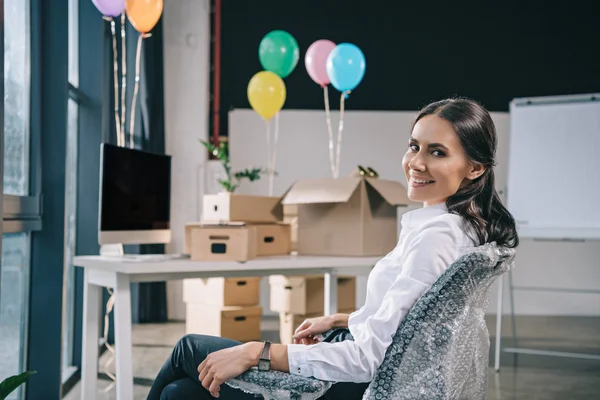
(353,216)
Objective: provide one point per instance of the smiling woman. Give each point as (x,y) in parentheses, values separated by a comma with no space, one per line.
(435,164)
(451,155)
(449,166)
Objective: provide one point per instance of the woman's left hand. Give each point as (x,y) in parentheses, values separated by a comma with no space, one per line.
(225,364)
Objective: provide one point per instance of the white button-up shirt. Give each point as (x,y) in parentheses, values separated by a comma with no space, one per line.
(431,239)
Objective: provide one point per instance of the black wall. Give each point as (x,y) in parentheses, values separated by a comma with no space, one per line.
(420,51)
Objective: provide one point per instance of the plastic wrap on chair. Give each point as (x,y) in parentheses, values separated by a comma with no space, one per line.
(440,350)
(279,385)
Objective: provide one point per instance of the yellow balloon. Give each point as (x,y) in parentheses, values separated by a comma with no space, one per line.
(143,14)
(266,94)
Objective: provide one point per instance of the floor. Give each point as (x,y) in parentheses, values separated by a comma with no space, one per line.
(530,377)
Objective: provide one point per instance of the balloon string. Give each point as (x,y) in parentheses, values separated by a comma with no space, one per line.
(329,130)
(274,155)
(123,77)
(269,168)
(340,129)
(109,306)
(135,89)
(120,141)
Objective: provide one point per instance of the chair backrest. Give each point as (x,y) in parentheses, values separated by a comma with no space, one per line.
(441,348)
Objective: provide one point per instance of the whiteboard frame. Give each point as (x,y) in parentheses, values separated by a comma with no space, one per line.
(550,234)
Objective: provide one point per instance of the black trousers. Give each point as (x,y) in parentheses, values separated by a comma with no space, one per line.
(178,377)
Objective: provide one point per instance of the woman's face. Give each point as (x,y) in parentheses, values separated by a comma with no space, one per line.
(435,163)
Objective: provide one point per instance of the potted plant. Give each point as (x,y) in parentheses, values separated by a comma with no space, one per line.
(221,153)
(13,382)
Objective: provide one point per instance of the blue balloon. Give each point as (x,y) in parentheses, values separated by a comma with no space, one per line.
(346,66)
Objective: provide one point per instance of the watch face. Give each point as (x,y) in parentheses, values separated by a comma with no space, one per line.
(264,365)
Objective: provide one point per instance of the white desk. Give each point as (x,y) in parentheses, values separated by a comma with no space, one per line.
(118,274)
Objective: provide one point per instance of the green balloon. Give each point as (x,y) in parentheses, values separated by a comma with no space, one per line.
(279,53)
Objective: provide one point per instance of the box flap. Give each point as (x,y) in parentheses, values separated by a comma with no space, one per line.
(312,191)
(392,192)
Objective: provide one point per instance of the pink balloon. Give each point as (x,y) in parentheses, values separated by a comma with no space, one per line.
(315,60)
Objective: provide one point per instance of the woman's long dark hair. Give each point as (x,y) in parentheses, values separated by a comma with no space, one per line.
(478,203)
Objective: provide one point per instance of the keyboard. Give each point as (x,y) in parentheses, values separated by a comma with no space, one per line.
(146,257)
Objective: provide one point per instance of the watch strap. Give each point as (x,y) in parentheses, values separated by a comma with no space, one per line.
(265,354)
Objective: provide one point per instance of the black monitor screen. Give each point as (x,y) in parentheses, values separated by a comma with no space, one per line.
(135,190)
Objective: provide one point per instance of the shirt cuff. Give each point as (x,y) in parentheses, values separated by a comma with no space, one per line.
(297,360)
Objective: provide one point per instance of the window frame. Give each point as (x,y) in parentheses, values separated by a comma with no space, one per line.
(24,213)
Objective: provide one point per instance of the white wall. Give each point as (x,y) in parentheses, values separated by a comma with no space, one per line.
(186,25)
(303,135)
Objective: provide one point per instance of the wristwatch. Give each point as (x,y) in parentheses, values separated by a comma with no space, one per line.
(264,362)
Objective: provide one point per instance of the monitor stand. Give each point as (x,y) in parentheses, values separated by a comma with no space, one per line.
(112,250)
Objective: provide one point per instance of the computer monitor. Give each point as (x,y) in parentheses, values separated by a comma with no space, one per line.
(135,194)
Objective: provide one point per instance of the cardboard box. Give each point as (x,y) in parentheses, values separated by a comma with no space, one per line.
(306,294)
(230,242)
(222,291)
(273,239)
(237,323)
(187,245)
(288,323)
(290,216)
(241,207)
(353,216)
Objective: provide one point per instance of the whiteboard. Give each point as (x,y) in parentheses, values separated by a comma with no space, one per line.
(377,139)
(554,167)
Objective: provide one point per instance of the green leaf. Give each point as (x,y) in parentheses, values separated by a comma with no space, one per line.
(223,152)
(210,147)
(227,185)
(252,174)
(11,383)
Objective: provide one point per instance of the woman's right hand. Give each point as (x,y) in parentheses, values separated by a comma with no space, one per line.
(307,332)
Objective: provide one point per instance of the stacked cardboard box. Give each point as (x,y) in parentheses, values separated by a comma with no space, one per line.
(297,298)
(238,227)
(225,307)
(233,228)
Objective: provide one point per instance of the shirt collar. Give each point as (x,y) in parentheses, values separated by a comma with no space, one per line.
(414,219)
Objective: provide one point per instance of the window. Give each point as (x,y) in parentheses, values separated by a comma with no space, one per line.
(14,281)
(16,97)
(19,198)
(71,195)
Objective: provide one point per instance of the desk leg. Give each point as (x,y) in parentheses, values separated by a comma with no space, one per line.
(331,295)
(90,338)
(123,345)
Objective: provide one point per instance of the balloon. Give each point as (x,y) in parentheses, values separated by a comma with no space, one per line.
(346,66)
(315,60)
(266,93)
(110,8)
(278,52)
(143,14)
